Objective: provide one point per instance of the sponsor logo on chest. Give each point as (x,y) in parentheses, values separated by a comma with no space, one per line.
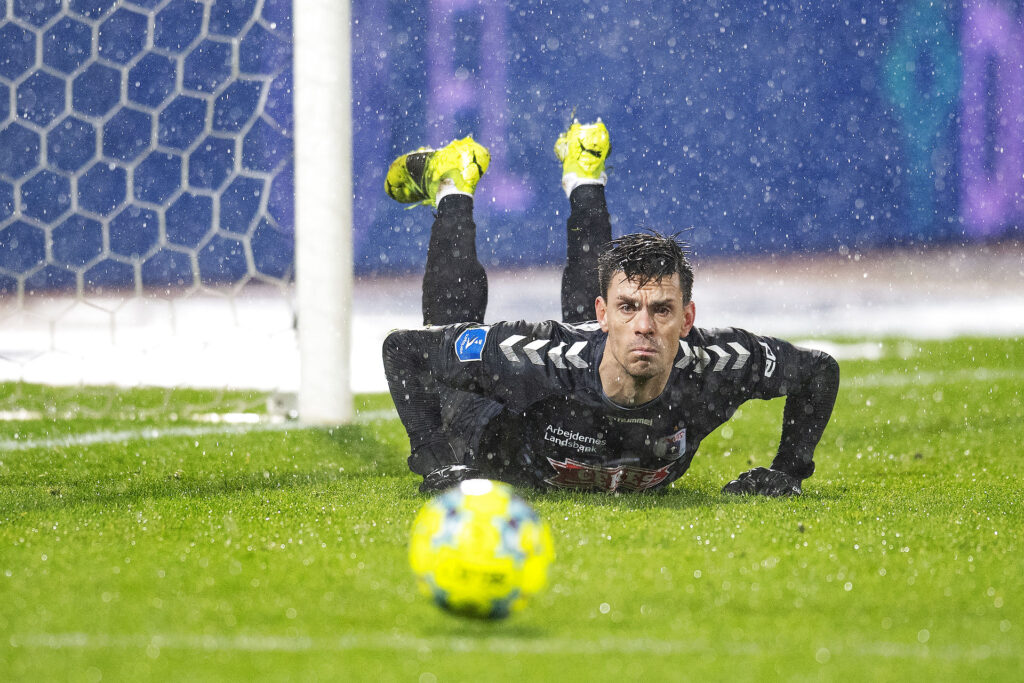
(571,474)
(567,438)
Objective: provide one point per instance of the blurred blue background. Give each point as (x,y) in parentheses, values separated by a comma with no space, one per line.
(149,143)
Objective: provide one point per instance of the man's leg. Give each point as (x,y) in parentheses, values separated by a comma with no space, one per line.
(589,229)
(454,290)
(454,282)
(582,150)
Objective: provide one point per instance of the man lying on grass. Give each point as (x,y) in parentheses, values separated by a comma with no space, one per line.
(620,404)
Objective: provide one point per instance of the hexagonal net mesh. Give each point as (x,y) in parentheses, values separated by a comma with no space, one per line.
(146,192)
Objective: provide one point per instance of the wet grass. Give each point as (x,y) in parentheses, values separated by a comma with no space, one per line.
(281,555)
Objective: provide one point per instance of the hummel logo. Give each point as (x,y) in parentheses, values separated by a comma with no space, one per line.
(769,365)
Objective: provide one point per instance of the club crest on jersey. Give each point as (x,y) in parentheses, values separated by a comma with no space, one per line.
(672,446)
(469,345)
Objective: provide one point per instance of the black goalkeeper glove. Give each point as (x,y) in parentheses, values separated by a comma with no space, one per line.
(447,477)
(762,481)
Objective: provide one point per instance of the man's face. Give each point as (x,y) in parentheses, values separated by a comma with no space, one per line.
(644,325)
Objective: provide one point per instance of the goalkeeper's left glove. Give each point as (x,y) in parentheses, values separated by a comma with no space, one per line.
(764,482)
(448,476)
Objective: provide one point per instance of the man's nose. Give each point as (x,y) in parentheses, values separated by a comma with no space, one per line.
(643,322)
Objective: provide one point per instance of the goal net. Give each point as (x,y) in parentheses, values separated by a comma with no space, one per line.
(148,194)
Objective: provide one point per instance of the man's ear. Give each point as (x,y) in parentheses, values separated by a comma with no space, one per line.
(689,315)
(601,309)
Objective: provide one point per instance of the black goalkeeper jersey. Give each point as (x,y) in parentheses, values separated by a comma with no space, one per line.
(544,418)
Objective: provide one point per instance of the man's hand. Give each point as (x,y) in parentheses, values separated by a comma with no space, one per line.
(762,481)
(447,477)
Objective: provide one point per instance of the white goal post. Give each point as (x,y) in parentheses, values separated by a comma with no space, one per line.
(154,158)
(323,208)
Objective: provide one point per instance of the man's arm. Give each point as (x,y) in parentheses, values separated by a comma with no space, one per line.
(809,379)
(810,397)
(415,367)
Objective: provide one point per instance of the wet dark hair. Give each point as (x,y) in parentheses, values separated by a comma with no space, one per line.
(645,257)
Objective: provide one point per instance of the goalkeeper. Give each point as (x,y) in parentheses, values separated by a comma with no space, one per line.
(617,404)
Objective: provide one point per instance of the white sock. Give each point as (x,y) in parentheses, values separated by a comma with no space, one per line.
(445,188)
(570,181)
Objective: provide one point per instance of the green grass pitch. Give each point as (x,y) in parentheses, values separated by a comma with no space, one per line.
(137,543)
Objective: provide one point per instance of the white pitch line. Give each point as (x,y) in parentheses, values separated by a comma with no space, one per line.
(896,379)
(487,644)
(152,433)
(147,434)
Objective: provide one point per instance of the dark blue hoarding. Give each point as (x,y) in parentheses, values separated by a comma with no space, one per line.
(152,146)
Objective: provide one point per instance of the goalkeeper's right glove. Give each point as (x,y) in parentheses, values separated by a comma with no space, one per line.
(764,482)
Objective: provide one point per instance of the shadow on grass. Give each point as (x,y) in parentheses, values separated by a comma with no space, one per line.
(677,498)
(648,500)
(456,626)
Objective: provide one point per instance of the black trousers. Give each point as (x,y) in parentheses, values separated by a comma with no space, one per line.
(455,283)
(482,434)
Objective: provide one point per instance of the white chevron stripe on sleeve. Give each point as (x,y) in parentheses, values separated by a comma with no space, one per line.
(573,354)
(532,350)
(506,347)
(723,357)
(741,355)
(555,355)
(687,355)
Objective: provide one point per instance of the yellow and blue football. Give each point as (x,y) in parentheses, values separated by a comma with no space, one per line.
(480,550)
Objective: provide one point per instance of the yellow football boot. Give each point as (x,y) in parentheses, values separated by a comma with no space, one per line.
(583,149)
(416,176)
